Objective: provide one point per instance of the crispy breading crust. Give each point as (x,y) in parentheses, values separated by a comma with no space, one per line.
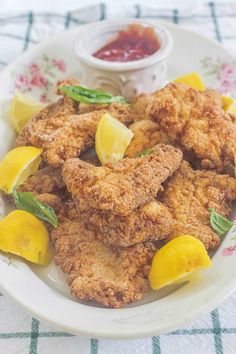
(52,200)
(123,186)
(189,194)
(141,106)
(38,130)
(151,222)
(113,277)
(146,135)
(47,185)
(78,134)
(45,180)
(68,211)
(196,122)
(215,96)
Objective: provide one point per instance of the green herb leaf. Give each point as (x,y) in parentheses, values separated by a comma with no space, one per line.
(220,224)
(84,95)
(28,202)
(145,152)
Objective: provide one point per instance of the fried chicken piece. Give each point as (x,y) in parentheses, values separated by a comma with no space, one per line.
(189,194)
(78,134)
(68,211)
(151,222)
(111,276)
(47,185)
(215,96)
(45,180)
(123,186)
(233,117)
(52,200)
(141,105)
(38,130)
(196,122)
(146,135)
(90,107)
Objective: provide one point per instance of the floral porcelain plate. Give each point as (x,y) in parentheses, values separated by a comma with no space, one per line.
(43,290)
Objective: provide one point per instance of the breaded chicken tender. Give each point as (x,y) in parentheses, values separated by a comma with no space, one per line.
(196,122)
(37,130)
(125,185)
(52,200)
(47,185)
(146,135)
(45,180)
(141,106)
(111,276)
(189,194)
(151,222)
(78,134)
(68,211)
(215,96)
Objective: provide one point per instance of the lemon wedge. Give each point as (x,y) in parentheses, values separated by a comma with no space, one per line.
(176,260)
(22,109)
(21,233)
(193,80)
(17,166)
(226,102)
(232,108)
(111,140)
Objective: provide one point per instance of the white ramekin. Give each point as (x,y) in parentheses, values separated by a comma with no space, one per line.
(129,78)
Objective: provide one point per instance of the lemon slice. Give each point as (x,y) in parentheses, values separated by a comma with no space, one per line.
(226,102)
(193,80)
(21,233)
(17,166)
(22,109)
(232,108)
(176,260)
(111,140)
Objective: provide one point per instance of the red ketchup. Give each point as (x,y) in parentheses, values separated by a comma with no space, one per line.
(134,43)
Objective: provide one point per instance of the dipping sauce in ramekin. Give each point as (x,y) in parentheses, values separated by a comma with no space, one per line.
(136,68)
(133,43)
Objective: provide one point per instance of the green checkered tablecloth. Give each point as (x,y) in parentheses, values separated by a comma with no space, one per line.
(19,333)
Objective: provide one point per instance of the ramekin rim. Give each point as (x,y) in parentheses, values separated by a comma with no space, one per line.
(90,60)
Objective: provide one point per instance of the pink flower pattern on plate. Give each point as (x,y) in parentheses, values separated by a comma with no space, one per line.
(228,251)
(60,64)
(22,82)
(38,80)
(224,73)
(40,77)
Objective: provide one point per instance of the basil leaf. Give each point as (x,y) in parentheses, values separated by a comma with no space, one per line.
(145,152)
(84,95)
(220,224)
(28,202)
